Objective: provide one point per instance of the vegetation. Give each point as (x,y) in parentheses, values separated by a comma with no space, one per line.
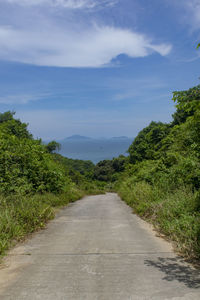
(21,215)
(53,146)
(109,170)
(84,167)
(81,173)
(34,180)
(161,180)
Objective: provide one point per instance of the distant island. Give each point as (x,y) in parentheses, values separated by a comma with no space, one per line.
(77,137)
(81,137)
(120,137)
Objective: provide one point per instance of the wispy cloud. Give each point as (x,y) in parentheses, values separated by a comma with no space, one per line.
(193,6)
(35,34)
(138,90)
(21,98)
(190,11)
(71,4)
(63,47)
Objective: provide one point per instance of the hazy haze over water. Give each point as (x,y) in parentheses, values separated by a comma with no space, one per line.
(94,149)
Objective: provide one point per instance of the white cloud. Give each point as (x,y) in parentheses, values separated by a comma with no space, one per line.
(62,47)
(21,99)
(71,4)
(66,38)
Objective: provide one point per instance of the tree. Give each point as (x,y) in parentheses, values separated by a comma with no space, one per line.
(6,116)
(53,146)
(10,125)
(187,103)
(148,141)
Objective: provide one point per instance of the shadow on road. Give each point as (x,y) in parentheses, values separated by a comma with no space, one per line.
(176,269)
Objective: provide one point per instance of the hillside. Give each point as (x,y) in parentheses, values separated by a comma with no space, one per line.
(160,178)
(33,181)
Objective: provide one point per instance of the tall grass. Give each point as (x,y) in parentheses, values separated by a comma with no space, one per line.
(174,213)
(21,215)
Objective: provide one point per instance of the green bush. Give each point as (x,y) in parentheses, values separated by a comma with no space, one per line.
(34,181)
(162,181)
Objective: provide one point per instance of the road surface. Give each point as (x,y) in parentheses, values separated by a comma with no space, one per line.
(96,249)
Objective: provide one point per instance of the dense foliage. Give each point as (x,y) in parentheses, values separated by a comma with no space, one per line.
(147,143)
(25,164)
(160,178)
(84,167)
(34,180)
(109,170)
(53,146)
(161,181)
(81,172)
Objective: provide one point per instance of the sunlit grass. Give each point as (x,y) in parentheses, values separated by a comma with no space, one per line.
(174,213)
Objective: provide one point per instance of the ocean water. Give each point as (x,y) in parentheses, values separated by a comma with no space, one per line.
(94,149)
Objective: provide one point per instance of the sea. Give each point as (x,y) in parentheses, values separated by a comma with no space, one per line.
(96,150)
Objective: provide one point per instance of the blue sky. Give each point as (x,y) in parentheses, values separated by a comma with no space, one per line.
(96,67)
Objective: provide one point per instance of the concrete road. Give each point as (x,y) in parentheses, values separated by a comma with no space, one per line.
(97,249)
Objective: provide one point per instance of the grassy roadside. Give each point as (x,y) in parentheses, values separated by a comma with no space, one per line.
(34,181)
(172,213)
(22,215)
